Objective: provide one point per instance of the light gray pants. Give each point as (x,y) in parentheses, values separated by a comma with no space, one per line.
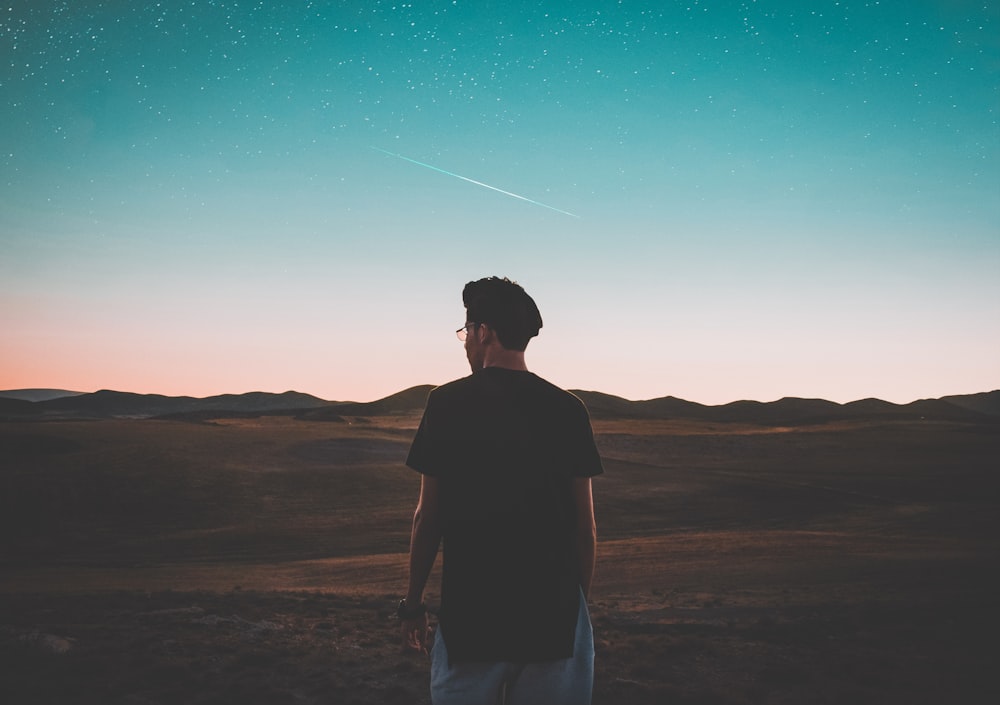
(564,682)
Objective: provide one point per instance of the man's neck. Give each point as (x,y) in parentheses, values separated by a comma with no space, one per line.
(508,359)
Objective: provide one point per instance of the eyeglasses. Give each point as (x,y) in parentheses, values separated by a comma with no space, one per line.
(463,332)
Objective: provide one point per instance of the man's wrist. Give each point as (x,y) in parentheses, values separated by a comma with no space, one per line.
(405,611)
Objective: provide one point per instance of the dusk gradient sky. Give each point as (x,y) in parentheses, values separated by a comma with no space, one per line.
(725,200)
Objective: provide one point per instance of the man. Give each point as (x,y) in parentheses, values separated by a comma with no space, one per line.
(506,461)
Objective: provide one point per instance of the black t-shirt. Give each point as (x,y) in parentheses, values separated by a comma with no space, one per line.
(505,446)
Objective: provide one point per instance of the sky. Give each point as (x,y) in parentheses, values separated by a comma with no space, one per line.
(710,200)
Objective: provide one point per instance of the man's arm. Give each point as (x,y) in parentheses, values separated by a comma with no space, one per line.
(586,531)
(425,538)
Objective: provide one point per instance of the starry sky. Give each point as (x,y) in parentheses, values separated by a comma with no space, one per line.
(707,199)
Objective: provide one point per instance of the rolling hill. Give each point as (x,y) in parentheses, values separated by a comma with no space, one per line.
(982,408)
(37,394)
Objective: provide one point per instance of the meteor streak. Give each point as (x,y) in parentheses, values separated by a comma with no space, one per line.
(477,183)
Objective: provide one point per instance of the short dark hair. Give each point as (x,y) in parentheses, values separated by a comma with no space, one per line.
(505,307)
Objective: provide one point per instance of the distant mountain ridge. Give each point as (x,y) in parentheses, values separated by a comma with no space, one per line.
(407,401)
(983,407)
(37,394)
(104,404)
(107,403)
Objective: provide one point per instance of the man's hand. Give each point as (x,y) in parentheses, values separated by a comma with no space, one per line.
(416,634)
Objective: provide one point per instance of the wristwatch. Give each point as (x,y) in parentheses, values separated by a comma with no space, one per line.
(404,612)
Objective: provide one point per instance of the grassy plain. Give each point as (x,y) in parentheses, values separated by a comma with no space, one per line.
(258,560)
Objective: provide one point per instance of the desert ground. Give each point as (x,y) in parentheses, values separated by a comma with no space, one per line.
(259,561)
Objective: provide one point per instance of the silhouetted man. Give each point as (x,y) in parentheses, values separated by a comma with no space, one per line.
(506,461)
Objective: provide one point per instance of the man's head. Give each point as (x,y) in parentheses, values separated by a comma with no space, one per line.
(505,308)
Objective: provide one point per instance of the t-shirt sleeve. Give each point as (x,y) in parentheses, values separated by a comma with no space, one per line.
(423,450)
(586,461)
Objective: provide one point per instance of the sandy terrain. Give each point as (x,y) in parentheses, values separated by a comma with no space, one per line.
(258,561)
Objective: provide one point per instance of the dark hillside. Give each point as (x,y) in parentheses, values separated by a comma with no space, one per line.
(404,402)
(984,403)
(789,411)
(37,394)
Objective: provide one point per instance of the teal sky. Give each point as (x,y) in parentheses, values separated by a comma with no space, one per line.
(771,198)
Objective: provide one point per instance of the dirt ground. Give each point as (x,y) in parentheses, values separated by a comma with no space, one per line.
(249,647)
(259,561)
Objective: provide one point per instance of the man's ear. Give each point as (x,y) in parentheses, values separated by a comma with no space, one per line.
(484,333)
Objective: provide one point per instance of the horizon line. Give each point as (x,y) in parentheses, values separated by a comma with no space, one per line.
(4,393)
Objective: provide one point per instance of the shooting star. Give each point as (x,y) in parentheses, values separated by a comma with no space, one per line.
(477,183)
